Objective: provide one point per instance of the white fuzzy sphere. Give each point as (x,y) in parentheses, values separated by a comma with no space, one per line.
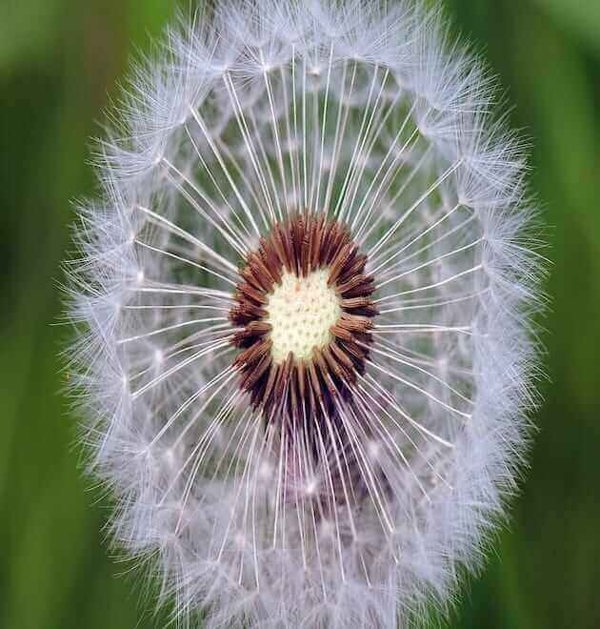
(373,117)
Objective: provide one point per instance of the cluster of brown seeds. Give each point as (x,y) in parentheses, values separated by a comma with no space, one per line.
(307,387)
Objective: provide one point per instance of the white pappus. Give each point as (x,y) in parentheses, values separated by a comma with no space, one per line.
(303,314)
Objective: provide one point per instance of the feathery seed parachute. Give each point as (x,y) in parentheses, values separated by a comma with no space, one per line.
(303,314)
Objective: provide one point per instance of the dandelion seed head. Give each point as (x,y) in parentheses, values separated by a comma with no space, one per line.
(304,342)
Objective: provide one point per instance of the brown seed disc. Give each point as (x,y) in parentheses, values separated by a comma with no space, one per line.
(303,390)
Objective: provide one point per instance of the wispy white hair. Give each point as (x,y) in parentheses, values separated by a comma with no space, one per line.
(376,117)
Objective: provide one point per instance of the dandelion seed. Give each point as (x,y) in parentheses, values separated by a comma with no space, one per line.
(304,311)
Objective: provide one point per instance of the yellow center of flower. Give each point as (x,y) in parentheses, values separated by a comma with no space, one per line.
(300,311)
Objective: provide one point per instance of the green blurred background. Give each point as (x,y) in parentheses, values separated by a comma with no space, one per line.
(59,63)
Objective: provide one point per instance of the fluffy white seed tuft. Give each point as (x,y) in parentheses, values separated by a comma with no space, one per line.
(373,117)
